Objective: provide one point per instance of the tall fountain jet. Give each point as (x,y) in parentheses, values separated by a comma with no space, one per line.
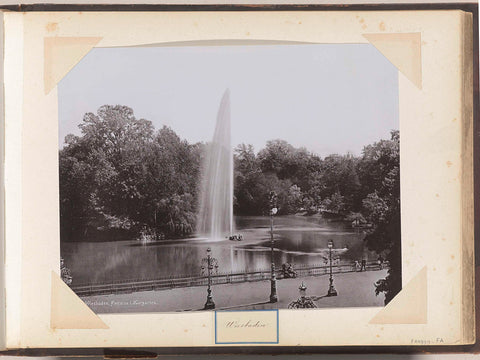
(215,219)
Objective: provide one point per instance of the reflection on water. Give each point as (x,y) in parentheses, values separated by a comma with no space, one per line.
(298,240)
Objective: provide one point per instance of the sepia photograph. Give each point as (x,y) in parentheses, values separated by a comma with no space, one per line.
(230,176)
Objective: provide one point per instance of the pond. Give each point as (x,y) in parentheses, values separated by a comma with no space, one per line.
(299,240)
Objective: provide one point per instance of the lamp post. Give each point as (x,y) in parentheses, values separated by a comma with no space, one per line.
(356,224)
(211,264)
(273,279)
(331,288)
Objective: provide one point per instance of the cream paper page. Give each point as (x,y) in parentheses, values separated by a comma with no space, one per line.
(13,85)
(430,127)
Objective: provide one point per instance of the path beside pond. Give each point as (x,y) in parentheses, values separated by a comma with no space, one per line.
(355,289)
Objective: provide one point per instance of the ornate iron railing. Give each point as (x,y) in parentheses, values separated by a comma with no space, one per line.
(180,281)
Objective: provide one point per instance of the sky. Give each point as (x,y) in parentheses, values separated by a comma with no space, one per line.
(329,98)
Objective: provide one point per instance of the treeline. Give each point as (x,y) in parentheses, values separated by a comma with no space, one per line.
(122,175)
(342,185)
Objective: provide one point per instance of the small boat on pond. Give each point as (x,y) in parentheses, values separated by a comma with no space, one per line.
(235,237)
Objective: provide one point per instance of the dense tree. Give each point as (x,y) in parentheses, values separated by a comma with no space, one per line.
(378,168)
(334,204)
(248,179)
(340,178)
(120,175)
(171,181)
(381,171)
(277,158)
